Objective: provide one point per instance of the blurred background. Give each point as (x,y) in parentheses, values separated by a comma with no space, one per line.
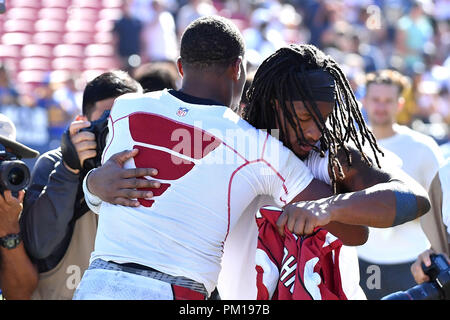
(49,49)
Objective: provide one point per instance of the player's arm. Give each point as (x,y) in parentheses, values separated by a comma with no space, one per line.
(351,235)
(371,197)
(379,197)
(114,184)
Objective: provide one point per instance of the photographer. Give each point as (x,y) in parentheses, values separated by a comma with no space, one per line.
(434,223)
(58,228)
(18,276)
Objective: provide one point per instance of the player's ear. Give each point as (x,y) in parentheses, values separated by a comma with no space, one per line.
(180,67)
(236,68)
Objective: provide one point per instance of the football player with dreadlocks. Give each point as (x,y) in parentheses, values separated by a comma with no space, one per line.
(304,94)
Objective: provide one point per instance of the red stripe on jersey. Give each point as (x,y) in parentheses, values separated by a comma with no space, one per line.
(170,167)
(187,140)
(182,293)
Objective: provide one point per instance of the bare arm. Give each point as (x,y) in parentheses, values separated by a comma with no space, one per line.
(114,184)
(18,276)
(351,235)
(370,197)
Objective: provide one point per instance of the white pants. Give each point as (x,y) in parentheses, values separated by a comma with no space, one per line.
(100,284)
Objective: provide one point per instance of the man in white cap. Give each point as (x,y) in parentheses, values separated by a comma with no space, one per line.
(18,276)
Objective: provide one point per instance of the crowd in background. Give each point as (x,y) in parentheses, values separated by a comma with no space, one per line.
(410,36)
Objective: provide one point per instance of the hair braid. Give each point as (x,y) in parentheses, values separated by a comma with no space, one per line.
(283,73)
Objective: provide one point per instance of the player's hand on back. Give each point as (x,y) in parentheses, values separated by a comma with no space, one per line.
(114,184)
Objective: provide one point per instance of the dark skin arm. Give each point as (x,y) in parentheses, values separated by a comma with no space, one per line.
(368,198)
(18,276)
(122,184)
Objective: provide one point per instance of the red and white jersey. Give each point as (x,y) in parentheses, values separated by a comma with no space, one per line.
(296,268)
(212,165)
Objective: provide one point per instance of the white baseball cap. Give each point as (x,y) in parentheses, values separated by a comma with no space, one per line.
(8,139)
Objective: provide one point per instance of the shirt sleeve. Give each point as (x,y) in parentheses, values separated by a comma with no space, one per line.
(48,206)
(94,203)
(319,166)
(283,175)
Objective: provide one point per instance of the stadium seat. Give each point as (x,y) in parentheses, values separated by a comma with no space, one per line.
(21,13)
(103,37)
(9,51)
(104,25)
(68,50)
(35,63)
(80,37)
(99,50)
(17,38)
(67,63)
(24,4)
(76,25)
(53,13)
(59,36)
(36,50)
(56,3)
(112,3)
(96,4)
(101,63)
(18,25)
(110,14)
(52,25)
(32,76)
(84,14)
(48,37)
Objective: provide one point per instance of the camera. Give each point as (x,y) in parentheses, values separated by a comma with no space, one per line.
(100,129)
(14,174)
(438,288)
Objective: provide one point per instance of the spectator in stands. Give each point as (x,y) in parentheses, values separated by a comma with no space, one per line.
(436,223)
(58,118)
(414,31)
(192,10)
(157,76)
(8,94)
(127,36)
(18,276)
(159,35)
(58,228)
(395,249)
(68,96)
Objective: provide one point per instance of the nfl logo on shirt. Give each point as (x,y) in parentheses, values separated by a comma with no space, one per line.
(182,111)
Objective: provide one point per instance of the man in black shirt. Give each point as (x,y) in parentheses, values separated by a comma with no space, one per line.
(58,228)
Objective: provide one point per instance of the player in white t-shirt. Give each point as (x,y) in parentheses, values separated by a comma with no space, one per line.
(212,168)
(394,249)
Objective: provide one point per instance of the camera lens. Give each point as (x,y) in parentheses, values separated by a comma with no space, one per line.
(16,176)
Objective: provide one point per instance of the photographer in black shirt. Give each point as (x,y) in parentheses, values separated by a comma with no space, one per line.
(18,276)
(58,228)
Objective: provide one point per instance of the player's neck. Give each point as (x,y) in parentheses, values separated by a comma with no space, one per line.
(383,132)
(206,88)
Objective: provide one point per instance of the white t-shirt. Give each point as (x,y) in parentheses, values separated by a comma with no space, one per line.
(444,177)
(237,279)
(421,158)
(212,165)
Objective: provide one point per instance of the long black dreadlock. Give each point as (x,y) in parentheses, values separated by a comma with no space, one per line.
(281,77)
